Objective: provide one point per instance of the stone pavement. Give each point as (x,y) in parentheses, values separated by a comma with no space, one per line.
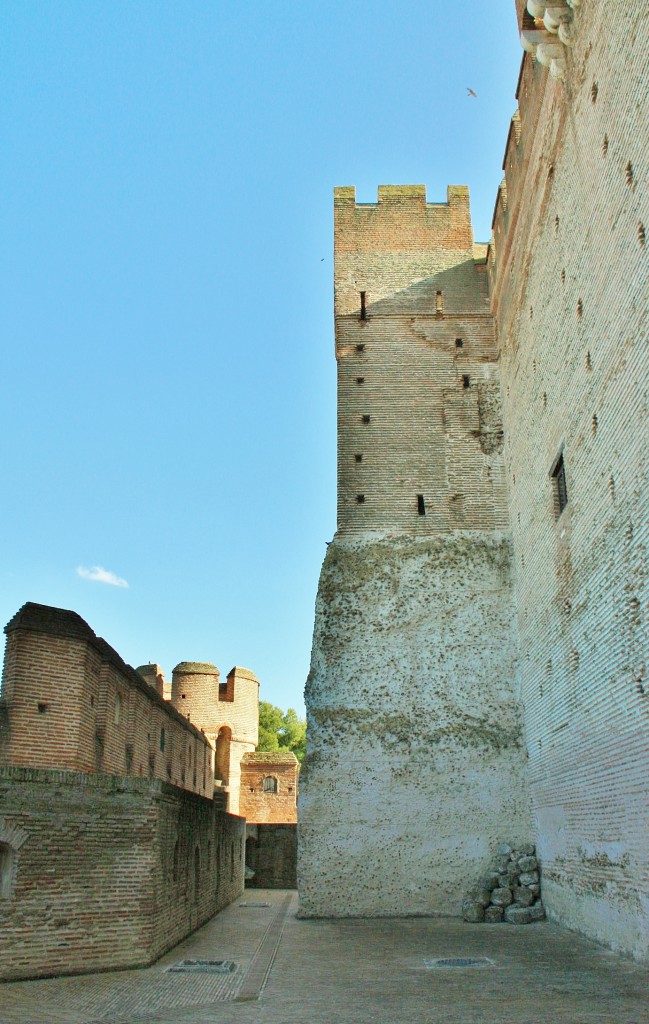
(351,972)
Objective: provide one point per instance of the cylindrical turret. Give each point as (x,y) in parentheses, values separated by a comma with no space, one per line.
(195,693)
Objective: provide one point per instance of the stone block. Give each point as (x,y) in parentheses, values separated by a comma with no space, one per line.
(493,915)
(479,894)
(529,878)
(522,896)
(501,897)
(490,881)
(527,864)
(473,912)
(518,915)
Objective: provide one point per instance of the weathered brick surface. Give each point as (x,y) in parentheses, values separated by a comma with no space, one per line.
(567,231)
(433,405)
(228,714)
(258,805)
(271,852)
(108,871)
(70,702)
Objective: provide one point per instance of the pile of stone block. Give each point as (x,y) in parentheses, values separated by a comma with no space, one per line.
(510,892)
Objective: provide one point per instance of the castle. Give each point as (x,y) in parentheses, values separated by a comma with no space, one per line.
(480,639)
(122,816)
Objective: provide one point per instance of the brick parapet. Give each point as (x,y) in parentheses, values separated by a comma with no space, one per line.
(68,700)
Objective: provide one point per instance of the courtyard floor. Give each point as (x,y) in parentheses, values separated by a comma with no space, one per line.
(351,971)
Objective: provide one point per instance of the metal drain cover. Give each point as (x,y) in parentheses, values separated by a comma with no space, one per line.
(203,966)
(254,904)
(459,961)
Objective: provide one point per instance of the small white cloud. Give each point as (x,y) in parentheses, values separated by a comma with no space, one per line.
(99,575)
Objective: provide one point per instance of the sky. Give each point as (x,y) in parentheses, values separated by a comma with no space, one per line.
(168,404)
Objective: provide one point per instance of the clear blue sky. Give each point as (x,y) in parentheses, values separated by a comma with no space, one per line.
(168,398)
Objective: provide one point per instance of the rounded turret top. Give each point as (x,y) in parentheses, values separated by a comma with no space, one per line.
(196,668)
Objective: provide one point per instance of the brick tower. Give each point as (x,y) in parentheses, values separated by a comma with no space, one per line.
(228,714)
(412,679)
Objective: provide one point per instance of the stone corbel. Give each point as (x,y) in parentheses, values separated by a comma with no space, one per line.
(552,32)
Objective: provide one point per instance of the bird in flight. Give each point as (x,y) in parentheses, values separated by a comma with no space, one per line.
(471,92)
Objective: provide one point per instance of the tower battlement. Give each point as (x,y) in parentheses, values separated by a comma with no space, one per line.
(418,425)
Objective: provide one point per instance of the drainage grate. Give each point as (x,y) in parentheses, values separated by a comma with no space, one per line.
(459,961)
(203,967)
(254,905)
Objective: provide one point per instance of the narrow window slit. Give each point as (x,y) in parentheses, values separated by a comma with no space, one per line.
(363,307)
(466,380)
(439,303)
(421,505)
(459,343)
(560,487)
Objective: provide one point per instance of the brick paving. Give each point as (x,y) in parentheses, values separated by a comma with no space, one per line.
(351,971)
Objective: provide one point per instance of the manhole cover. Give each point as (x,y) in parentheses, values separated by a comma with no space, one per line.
(459,961)
(203,966)
(254,905)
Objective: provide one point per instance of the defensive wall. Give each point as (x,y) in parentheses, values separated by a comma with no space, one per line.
(113,842)
(569,290)
(100,871)
(429,623)
(68,701)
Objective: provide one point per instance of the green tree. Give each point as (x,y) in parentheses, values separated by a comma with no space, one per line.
(281,731)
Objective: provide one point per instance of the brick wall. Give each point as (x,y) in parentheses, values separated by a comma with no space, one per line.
(418,387)
(277,805)
(228,713)
(107,872)
(70,702)
(271,852)
(569,289)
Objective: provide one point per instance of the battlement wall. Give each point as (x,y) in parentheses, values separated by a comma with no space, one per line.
(69,701)
(419,432)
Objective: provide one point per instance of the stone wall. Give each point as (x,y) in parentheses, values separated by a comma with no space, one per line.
(415,767)
(271,852)
(269,787)
(570,285)
(104,872)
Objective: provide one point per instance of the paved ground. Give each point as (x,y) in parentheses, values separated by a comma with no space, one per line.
(351,972)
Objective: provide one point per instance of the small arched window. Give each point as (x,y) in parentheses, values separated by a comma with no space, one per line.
(269,784)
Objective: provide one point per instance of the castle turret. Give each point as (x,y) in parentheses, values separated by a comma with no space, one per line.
(195,692)
(228,714)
